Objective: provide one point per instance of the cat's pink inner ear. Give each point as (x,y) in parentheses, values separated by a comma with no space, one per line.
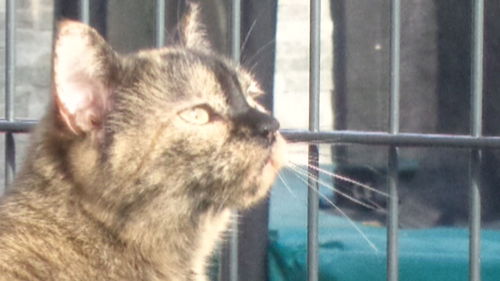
(81,94)
(81,104)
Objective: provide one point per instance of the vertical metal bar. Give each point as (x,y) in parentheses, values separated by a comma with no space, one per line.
(160,23)
(233,249)
(312,215)
(338,14)
(393,217)
(235,55)
(236,30)
(85,11)
(10,58)
(393,165)
(475,216)
(395,65)
(10,64)
(10,158)
(314,87)
(476,130)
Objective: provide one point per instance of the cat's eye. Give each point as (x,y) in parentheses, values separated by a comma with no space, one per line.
(197,115)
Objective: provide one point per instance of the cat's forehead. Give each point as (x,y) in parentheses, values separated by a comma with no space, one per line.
(203,76)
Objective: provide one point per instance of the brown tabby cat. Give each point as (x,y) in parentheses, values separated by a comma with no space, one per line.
(136,167)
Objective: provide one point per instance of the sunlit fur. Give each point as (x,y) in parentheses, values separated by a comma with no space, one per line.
(118,185)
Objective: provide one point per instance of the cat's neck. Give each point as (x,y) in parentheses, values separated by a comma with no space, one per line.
(166,233)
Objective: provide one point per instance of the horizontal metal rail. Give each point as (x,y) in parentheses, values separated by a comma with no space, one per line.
(400,139)
(339,137)
(17,126)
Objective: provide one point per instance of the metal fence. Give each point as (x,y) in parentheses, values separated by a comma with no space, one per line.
(392,139)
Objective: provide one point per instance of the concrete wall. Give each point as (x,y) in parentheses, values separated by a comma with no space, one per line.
(33,53)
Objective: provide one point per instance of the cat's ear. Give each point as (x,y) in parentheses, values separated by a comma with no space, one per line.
(82,69)
(192,30)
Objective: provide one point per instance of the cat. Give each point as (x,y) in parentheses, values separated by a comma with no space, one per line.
(139,162)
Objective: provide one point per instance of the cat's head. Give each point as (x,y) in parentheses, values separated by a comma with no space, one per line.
(179,118)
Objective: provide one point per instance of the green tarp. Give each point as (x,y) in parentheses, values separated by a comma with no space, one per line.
(425,255)
(346,255)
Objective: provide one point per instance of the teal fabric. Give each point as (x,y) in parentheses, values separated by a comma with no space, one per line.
(425,255)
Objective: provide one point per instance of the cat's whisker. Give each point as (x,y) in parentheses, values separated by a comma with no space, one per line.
(351,221)
(224,199)
(321,183)
(257,53)
(336,158)
(346,179)
(247,37)
(285,183)
(373,206)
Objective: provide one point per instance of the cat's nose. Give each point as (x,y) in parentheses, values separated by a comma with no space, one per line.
(267,128)
(260,124)
(264,125)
